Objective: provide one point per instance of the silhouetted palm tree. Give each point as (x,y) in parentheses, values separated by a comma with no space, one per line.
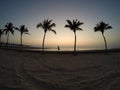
(1,32)
(46,25)
(9,28)
(74,26)
(23,30)
(102,27)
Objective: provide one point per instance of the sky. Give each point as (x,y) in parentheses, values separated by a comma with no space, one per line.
(90,12)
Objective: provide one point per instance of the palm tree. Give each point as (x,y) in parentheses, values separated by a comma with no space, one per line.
(1,32)
(102,27)
(74,26)
(9,28)
(46,25)
(23,30)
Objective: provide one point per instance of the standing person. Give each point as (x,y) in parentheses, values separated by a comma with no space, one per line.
(58,48)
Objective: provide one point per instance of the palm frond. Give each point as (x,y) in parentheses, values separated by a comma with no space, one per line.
(6,31)
(68,26)
(74,22)
(69,22)
(80,23)
(16,28)
(49,21)
(79,29)
(53,31)
(108,27)
(26,30)
(39,25)
(52,25)
(96,29)
(1,31)
(12,31)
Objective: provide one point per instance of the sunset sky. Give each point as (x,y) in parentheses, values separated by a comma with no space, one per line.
(31,12)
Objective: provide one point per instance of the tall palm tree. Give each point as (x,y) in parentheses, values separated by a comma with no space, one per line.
(46,25)
(1,32)
(9,28)
(74,26)
(102,26)
(23,30)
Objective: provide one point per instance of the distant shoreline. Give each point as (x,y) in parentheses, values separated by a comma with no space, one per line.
(34,49)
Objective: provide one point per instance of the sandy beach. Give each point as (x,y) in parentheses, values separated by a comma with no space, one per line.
(21,70)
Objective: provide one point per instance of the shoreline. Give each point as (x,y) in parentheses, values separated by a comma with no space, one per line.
(32,49)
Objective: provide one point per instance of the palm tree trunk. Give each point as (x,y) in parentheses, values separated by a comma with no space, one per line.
(0,41)
(105,43)
(75,43)
(7,38)
(0,38)
(21,39)
(43,42)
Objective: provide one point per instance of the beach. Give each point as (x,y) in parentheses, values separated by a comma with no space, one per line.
(24,70)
